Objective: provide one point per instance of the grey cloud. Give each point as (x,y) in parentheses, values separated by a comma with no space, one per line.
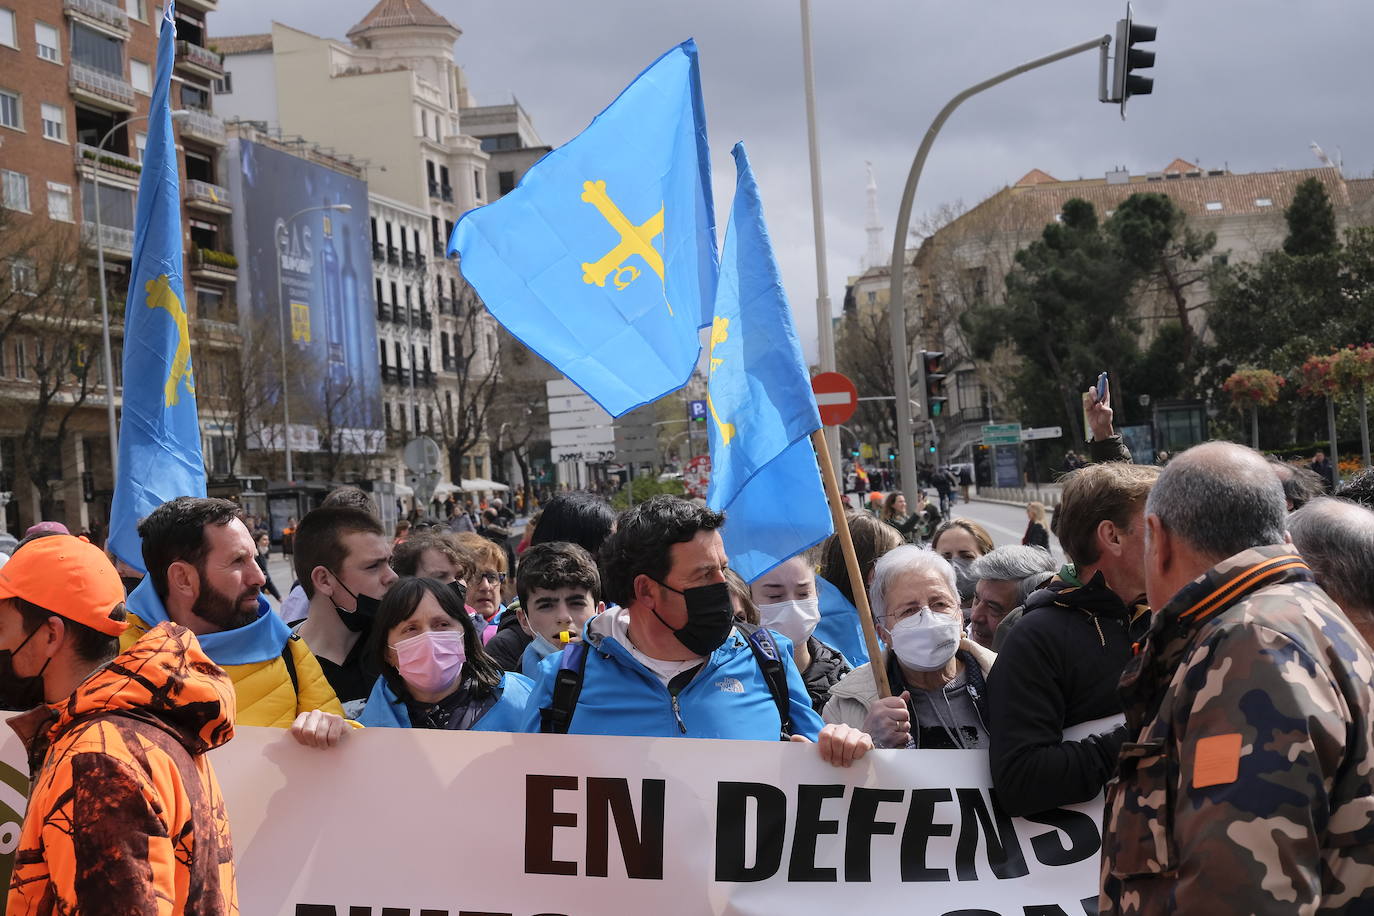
(1247,83)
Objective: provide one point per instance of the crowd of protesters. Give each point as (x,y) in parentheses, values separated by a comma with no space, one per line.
(1202,656)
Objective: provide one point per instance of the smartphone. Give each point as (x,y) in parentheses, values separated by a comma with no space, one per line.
(1102,387)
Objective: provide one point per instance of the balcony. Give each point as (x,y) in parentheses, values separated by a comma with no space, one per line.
(407,260)
(438,247)
(400,314)
(383,311)
(419,261)
(207,6)
(206,196)
(198,60)
(425,321)
(427,378)
(444,303)
(107,17)
(117,242)
(393,255)
(388,373)
(203,126)
(378,252)
(446,193)
(111,165)
(433,189)
(450,364)
(99,88)
(208,264)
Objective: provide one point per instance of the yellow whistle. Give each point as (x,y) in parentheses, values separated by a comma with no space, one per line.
(565,636)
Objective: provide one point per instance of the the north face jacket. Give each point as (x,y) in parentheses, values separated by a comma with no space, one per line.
(727,698)
(1247,782)
(252,657)
(125,814)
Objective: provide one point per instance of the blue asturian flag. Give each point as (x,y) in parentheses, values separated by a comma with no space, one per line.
(159,432)
(603,259)
(761,410)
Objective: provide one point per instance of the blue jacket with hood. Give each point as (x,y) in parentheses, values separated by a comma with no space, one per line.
(385,710)
(728,697)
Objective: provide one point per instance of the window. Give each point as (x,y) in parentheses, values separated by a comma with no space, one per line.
(23,275)
(505,182)
(54,122)
(97,50)
(193,96)
(10,112)
(424,123)
(15,186)
(140,145)
(8,35)
(138,9)
(477,183)
(49,45)
(1263,202)
(1214,205)
(872,296)
(60,201)
(386,412)
(225,84)
(141,77)
(21,369)
(210,304)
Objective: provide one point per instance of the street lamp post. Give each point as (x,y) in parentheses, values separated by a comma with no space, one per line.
(178,115)
(282,317)
(901,360)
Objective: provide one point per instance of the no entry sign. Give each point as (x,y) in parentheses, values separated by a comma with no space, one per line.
(836,397)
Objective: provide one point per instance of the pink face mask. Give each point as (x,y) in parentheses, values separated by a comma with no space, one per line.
(431,661)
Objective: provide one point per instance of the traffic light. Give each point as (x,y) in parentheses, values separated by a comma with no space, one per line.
(931,448)
(933,378)
(891,455)
(854,453)
(1125,81)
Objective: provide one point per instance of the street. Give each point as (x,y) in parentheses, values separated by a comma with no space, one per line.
(1005,523)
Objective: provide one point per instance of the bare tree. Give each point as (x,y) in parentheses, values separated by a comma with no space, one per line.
(242,393)
(46,311)
(464,421)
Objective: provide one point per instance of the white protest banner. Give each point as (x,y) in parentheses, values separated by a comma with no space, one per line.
(431,823)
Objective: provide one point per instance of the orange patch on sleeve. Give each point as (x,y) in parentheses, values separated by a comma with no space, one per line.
(1216,761)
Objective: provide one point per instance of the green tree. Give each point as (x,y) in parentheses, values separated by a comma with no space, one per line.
(1153,236)
(1311,221)
(1066,315)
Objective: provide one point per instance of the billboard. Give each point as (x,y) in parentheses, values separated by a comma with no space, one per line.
(308,264)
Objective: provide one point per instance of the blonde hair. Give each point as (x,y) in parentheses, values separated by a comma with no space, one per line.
(1037,512)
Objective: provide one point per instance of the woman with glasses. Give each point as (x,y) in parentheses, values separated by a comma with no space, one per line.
(487,586)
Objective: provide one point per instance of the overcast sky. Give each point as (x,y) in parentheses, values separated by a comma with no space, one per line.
(1244,84)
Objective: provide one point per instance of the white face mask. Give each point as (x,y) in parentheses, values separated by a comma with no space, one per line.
(796,620)
(926,641)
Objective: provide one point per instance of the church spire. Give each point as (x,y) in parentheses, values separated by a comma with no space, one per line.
(874,257)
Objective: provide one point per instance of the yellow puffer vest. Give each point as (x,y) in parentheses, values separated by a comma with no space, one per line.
(263,689)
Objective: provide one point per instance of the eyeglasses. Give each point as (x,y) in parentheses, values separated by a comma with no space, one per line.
(494,578)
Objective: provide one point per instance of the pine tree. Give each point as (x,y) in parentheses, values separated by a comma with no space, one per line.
(1311,221)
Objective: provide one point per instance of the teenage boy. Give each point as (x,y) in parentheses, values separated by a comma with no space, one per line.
(560,590)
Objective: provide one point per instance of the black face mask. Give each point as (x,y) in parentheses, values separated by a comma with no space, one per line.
(360,620)
(710,617)
(460,590)
(19,693)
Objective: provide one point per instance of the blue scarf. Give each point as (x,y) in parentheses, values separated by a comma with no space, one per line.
(259,641)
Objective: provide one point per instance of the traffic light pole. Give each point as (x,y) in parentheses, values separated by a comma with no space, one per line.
(901,360)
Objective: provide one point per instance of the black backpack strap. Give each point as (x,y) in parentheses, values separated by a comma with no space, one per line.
(769,657)
(556,718)
(290,660)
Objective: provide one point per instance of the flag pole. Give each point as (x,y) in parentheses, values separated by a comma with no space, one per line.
(851,562)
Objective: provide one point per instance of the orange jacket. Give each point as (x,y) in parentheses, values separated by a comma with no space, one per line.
(125,814)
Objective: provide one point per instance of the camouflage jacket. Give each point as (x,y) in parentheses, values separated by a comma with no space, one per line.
(1249,787)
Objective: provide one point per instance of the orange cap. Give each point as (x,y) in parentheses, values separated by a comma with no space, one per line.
(69,576)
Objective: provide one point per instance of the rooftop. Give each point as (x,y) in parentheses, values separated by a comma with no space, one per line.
(400,13)
(243,44)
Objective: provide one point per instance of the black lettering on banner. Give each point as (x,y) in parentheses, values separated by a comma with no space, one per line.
(1084,838)
(919,828)
(1003,848)
(808,829)
(328,909)
(862,826)
(1045,909)
(1089,905)
(972,913)
(732,804)
(642,849)
(540,821)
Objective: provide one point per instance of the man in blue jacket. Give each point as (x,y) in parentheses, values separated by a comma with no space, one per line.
(668,660)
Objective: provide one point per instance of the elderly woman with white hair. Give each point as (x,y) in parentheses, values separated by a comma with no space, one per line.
(935,674)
